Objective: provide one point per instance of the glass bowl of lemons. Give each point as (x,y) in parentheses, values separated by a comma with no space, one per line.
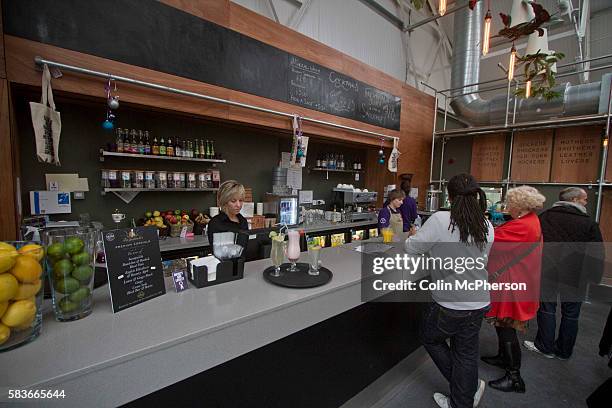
(21,294)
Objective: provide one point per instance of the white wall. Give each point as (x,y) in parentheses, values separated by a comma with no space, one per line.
(355,29)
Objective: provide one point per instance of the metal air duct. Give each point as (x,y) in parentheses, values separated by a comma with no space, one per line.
(580,99)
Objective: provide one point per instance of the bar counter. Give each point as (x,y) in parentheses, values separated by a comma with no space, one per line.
(110,359)
(198,241)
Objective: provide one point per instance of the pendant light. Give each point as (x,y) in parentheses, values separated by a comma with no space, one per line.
(442,7)
(528,89)
(486,33)
(511,63)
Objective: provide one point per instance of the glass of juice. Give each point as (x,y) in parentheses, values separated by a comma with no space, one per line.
(278,253)
(314,251)
(387,234)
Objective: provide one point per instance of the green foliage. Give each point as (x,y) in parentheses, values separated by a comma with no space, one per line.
(538,69)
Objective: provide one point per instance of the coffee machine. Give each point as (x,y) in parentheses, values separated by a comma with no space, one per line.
(358,205)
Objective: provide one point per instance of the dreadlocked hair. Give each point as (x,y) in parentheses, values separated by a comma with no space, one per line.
(468,205)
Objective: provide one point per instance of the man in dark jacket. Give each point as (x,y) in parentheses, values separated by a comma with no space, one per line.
(572,258)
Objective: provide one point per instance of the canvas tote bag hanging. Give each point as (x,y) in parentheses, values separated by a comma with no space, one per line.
(393,157)
(47,123)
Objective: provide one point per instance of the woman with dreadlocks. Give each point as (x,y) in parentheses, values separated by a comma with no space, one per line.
(460,235)
(516,258)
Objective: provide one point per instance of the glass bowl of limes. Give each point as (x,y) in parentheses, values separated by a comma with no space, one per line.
(70,267)
(21,274)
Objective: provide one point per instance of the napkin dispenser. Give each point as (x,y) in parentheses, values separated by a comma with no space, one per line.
(201,273)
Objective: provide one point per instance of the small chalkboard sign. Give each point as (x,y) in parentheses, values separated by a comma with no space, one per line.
(134,267)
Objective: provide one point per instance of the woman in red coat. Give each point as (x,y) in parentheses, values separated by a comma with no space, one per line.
(516,258)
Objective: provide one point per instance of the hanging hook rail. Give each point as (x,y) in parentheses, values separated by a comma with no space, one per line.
(41,61)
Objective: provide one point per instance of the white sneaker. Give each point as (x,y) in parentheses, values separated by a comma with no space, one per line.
(479,391)
(442,400)
(530,345)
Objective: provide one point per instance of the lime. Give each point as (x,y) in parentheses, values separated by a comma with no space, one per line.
(62,268)
(79,294)
(82,273)
(55,250)
(67,285)
(66,305)
(81,258)
(74,245)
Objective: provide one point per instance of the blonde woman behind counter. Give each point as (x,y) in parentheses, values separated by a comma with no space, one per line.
(230,198)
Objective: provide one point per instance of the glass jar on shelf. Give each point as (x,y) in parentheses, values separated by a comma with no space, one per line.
(104,182)
(191,180)
(171,182)
(161,179)
(138,179)
(202,181)
(179,179)
(149,179)
(126,179)
(113,179)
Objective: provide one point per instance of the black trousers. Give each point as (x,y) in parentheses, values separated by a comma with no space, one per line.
(458,362)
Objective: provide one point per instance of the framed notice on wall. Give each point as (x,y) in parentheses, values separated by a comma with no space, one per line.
(531,156)
(488,157)
(576,155)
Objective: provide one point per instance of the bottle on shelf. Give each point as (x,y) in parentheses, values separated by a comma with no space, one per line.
(155,147)
(134,143)
(341,162)
(196,149)
(190,149)
(119,140)
(141,148)
(178,152)
(170,148)
(147,143)
(202,149)
(324,162)
(212,149)
(318,163)
(162,147)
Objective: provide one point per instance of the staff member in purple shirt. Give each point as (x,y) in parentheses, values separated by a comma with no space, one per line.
(389,216)
(408,209)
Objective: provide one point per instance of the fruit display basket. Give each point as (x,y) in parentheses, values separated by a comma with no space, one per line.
(21,274)
(70,267)
(175,229)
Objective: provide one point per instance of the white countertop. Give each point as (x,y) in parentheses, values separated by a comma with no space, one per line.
(109,359)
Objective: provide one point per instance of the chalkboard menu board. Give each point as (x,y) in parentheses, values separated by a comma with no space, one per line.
(133,264)
(153,35)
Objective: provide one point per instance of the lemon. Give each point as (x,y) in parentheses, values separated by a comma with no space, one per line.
(32,250)
(19,313)
(3,306)
(8,287)
(27,290)
(26,269)
(8,255)
(5,333)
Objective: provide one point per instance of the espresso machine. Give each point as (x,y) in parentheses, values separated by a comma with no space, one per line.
(358,205)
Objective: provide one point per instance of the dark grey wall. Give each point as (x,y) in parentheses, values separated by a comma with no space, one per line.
(251,155)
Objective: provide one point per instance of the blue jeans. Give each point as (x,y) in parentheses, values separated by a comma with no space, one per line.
(458,362)
(547,325)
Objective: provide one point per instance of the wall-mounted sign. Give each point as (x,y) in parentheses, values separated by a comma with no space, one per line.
(134,267)
(576,155)
(531,156)
(488,157)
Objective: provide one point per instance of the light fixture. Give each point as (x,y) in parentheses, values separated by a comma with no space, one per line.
(511,63)
(487,33)
(528,89)
(442,7)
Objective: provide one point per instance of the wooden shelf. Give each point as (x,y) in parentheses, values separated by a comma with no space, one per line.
(105,153)
(335,170)
(160,190)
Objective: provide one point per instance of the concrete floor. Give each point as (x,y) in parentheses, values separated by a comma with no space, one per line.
(550,382)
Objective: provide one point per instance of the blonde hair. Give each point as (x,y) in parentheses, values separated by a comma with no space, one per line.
(525,198)
(227,191)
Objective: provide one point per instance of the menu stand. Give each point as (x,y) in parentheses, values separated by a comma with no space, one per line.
(300,279)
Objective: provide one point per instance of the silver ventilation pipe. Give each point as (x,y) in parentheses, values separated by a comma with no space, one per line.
(577,99)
